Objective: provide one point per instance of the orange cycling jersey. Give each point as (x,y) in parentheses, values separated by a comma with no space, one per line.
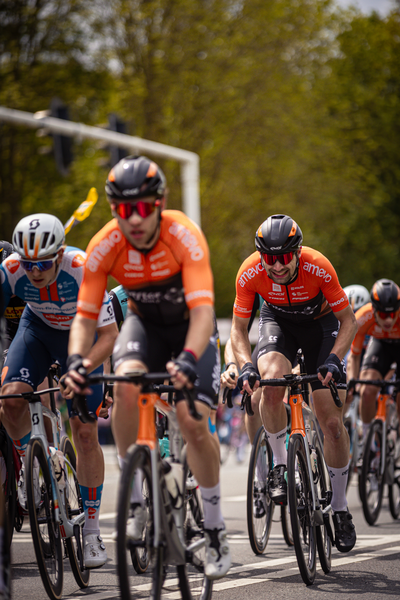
(367,325)
(313,292)
(162,283)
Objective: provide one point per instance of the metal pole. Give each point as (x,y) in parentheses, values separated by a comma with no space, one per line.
(189,160)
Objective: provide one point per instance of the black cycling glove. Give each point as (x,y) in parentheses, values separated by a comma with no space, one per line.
(333,364)
(187,363)
(247,370)
(75,363)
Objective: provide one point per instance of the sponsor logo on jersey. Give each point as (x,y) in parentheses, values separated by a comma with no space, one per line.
(78,261)
(317,271)
(199,294)
(250,273)
(157,256)
(102,249)
(276,287)
(332,304)
(188,239)
(134,257)
(12,265)
(240,309)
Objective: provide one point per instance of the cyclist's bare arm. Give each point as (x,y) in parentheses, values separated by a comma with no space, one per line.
(241,346)
(347,331)
(230,360)
(81,339)
(104,345)
(201,328)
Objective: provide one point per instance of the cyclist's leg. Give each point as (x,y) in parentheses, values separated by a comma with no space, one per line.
(253,422)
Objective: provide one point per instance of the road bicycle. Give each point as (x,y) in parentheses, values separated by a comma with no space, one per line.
(381,453)
(54,500)
(308,481)
(173,535)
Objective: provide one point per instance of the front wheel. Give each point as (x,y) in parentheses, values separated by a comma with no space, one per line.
(136,464)
(286,525)
(260,507)
(45,531)
(371,481)
(324,532)
(74,507)
(301,509)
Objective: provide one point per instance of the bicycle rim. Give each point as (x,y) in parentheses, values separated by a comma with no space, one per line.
(260,507)
(45,531)
(140,556)
(300,506)
(136,458)
(353,458)
(371,479)
(324,542)
(192,581)
(286,525)
(74,507)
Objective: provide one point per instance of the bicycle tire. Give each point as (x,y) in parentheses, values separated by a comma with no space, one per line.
(394,498)
(353,459)
(10,484)
(286,525)
(193,583)
(371,482)
(300,507)
(323,532)
(74,506)
(260,507)
(45,531)
(136,457)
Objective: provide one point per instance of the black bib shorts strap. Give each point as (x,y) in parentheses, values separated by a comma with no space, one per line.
(154,345)
(380,354)
(315,337)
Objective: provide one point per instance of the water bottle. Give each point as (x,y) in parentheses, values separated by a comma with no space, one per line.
(314,462)
(173,473)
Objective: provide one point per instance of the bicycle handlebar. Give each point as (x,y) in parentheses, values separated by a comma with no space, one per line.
(30,395)
(381,383)
(154,380)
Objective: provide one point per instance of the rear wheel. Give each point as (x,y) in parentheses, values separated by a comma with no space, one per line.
(371,481)
(353,449)
(260,507)
(300,506)
(74,507)
(286,525)
(45,531)
(10,484)
(137,458)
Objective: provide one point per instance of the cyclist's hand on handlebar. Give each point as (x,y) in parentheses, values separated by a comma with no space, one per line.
(183,370)
(230,376)
(333,364)
(243,381)
(75,380)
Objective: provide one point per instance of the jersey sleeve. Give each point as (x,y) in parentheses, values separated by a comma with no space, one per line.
(365,318)
(191,250)
(330,286)
(245,291)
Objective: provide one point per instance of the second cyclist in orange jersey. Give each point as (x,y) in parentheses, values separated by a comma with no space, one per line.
(162,284)
(313,293)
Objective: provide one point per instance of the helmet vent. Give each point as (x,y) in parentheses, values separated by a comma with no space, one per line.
(53,239)
(31,241)
(20,238)
(44,239)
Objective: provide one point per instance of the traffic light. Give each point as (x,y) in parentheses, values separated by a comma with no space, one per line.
(115,124)
(62,145)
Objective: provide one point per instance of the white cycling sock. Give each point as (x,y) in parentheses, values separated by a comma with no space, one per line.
(212,507)
(339,482)
(136,492)
(277,441)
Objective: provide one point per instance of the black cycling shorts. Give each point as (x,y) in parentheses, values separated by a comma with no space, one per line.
(155,345)
(380,354)
(316,339)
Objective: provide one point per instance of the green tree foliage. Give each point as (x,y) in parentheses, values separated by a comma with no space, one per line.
(292,106)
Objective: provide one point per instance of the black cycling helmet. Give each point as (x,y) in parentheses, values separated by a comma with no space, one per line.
(279,234)
(135,177)
(385,295)
(5,250)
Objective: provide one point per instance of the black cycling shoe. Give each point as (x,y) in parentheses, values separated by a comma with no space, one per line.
(345,532)
(277,485)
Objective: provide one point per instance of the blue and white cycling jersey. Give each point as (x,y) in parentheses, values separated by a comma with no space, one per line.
(55,304)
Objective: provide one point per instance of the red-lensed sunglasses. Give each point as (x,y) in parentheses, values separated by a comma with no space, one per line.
(284,259)
(143,209)
(385,315)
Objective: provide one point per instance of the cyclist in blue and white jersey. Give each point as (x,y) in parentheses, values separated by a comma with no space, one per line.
(47,275)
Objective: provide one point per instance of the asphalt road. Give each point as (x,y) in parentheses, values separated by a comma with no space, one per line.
(369,572)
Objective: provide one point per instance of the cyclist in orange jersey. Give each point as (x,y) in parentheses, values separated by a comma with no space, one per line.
(161,258)
(304,307)
(380,320)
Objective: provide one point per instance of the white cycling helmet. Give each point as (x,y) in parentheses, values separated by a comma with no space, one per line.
(38,236)
(358,295)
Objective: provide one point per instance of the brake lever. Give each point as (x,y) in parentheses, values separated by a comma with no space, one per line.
(79,406)
(227,397)
(332,386)
(246,399)
(190,397)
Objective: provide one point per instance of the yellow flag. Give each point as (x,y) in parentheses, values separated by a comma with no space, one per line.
(83,210)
